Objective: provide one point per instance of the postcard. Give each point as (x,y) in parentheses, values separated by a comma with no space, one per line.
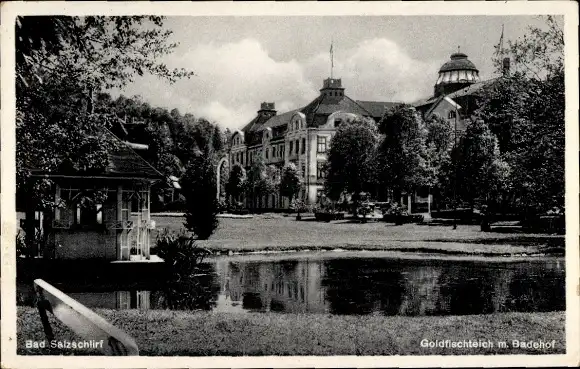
(289,184)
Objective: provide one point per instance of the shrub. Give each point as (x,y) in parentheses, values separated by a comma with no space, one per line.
(199,189)
(300,206)
(182,289)
(180,252)
(365,209)
(222,205)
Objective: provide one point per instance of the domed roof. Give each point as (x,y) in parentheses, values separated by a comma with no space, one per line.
(458,61)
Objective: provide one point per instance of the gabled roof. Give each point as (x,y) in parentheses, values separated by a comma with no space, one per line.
(255,124)
(377,108)
(322,105)
(280,119)
(471,89)
(123,162)
(326,105)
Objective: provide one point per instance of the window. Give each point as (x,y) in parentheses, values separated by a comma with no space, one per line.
(320,170)
(291,146)
(321,143)
(303,169)
(89,215)
(303,145)
(267,150)
(451,114)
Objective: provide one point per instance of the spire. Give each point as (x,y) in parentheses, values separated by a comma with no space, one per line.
(499,50)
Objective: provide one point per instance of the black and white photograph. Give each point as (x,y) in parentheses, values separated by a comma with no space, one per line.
(328,182)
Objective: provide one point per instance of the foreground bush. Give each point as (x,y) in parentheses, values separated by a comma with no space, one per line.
(199,189)
(182,289)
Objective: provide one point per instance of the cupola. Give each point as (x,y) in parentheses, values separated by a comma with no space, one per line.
(332,87)
(455,74)
(267,109)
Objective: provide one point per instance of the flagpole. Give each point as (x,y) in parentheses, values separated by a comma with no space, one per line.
(331,57)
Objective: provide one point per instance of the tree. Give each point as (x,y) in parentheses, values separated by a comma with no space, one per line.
(262,180)
(403,155)
(525,109)
(439,144)
(61,64)
(482,173)
(236,182)
(290,182)
(351,164)
(199,188)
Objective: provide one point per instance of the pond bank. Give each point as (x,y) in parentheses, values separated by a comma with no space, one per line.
(280,234)
(401,248)
(175,333)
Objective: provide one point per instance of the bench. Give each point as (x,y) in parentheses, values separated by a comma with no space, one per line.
(81,320)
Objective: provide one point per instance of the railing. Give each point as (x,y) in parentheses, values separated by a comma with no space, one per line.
(122,224)
(81,320)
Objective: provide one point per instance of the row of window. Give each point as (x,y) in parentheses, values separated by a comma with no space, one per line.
(335,93)
(278,151)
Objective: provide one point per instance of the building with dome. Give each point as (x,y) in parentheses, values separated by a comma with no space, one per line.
(301,136)
(455,90)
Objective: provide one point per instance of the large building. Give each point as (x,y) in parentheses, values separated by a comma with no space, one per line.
(455,92)
(301,136)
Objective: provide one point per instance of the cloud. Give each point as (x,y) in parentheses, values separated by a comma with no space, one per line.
(232,79)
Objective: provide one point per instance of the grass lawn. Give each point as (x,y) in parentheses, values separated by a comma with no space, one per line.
(169,333)
(278,233)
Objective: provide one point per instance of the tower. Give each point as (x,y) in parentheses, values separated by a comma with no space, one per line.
(455,74)
(332,87)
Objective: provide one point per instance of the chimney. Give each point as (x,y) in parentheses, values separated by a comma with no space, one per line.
(506,67)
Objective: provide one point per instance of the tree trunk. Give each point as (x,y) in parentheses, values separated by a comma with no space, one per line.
(355,202)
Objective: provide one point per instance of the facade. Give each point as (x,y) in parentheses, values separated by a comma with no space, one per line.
(301,136)
(118,228)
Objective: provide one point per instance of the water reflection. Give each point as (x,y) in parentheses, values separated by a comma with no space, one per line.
(390,287)
(345,286)
(285,286)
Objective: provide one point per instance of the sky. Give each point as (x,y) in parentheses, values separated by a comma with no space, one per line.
(240,62)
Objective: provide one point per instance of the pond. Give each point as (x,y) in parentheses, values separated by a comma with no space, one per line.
(339,283)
